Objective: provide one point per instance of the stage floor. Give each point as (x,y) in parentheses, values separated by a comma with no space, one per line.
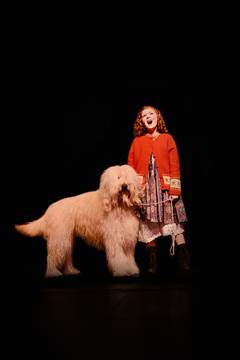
(81,317)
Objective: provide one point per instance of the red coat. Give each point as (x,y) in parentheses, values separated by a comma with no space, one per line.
(166,156)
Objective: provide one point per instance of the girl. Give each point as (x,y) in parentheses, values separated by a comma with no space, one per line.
(154,155)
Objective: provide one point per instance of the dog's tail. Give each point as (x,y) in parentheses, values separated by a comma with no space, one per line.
(31,229)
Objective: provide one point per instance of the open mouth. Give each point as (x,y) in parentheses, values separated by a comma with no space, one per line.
(125,193)
(123,196)
(149,122)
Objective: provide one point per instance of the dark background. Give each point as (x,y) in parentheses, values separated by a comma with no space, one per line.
(47,151)
(56,141)
(60,150)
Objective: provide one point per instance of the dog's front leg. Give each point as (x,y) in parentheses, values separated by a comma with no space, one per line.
(120,264)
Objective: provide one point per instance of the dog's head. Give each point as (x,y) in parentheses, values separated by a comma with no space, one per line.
(121,187)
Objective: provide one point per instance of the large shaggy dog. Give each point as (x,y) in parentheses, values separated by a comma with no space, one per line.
(106,219)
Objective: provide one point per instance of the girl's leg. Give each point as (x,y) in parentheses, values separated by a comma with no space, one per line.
(152,261)
(180,239)
(183,255)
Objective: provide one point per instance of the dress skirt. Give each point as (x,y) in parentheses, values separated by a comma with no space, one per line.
(161,216)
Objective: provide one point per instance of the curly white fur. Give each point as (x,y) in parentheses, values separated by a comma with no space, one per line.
(106,219)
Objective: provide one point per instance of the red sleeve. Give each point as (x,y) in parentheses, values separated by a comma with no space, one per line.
(131,155)
(175,182)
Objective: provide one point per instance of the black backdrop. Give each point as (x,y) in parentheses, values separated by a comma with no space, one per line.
(56,151)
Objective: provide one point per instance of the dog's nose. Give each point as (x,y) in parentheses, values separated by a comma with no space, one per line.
(124,187)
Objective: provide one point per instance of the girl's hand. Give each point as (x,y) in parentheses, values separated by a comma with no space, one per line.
(174,197)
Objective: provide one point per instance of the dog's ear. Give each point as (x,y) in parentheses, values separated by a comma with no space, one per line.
(107,205)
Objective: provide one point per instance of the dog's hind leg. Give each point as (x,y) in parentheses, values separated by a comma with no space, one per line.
(58,245)
(68,268)
(52,270)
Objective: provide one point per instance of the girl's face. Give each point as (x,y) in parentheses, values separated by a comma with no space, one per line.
(149,119)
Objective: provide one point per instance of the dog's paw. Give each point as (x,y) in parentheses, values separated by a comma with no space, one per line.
(126,274)
(53,273)
(71,271)
(134,276)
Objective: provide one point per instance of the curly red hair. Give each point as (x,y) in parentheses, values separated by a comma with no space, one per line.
(138,126)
